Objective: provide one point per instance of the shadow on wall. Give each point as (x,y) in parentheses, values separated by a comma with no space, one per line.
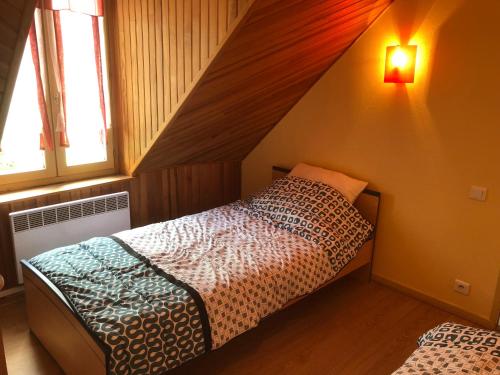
(462,98)
(464,77)
(358,82)
(457,71)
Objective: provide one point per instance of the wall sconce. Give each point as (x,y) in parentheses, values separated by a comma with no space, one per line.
(400,64)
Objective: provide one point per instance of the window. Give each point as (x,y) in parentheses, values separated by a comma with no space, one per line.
(58,123)
(21,138)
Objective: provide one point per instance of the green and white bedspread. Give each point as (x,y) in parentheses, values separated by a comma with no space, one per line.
(146,321)
(159,295)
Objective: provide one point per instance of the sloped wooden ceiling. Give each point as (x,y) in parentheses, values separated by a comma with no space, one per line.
(158,51)
(206,80)
(15,18)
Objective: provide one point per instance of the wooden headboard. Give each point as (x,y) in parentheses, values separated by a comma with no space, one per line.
(367,203)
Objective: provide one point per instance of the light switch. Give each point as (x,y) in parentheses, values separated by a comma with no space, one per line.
(478,193)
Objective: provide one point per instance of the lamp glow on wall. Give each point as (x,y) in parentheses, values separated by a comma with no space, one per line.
(400,64)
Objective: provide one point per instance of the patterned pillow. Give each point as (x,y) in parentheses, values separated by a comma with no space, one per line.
(316,212)
(464,337)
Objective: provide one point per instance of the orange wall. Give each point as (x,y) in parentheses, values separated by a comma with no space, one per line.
(422,145)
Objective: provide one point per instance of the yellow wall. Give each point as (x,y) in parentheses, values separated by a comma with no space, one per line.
(422,145)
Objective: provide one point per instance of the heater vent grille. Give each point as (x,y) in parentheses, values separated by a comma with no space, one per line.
(21,223)
(51,215)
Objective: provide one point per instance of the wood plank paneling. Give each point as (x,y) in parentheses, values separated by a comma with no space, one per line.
(154,196)
(15,19)
(160,48)
(277,52)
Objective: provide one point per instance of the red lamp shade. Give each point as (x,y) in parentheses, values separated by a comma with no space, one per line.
(400,64)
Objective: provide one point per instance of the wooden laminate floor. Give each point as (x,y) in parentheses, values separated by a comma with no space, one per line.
(351,327)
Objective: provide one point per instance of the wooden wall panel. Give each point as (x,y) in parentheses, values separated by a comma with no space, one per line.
(15,19)
(158,48)
(154,196)
(172,192)
(278,50)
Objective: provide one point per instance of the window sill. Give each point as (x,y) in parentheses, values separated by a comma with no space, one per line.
(57,188)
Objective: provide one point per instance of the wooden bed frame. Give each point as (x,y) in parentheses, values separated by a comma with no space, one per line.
(52,321)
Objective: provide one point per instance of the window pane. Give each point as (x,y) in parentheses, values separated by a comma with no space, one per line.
(84,121)
(21,138)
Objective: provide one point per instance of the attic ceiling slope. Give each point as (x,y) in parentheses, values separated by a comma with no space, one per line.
(15,20)
(158,50)
(278,50)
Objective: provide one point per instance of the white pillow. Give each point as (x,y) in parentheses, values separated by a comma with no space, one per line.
(348,186)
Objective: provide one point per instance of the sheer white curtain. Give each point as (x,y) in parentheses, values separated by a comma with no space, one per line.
(79,71)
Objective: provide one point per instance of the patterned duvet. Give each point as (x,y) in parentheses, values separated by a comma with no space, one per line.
(157,296)
(455,349)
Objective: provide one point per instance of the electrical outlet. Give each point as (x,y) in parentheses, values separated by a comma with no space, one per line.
(462,287)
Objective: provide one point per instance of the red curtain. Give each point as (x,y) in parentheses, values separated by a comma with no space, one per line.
(45,134)
(98,66)
(63,134)
(93,9)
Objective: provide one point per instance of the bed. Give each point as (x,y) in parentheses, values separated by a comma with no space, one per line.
(452,348)
(149,299)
